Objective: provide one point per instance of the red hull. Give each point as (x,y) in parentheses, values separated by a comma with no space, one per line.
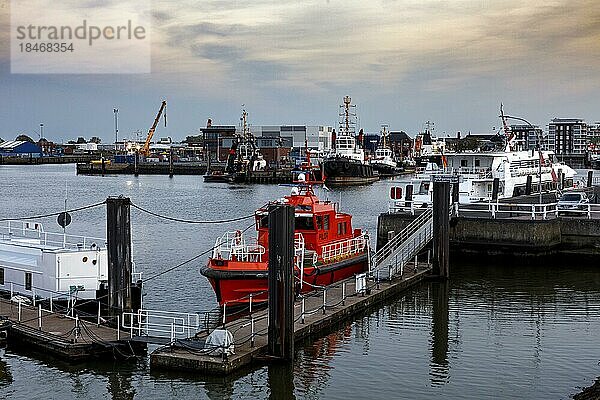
(235,287)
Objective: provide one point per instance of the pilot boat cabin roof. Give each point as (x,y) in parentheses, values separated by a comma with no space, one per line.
(318,221)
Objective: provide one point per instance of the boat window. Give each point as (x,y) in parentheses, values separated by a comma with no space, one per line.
(478,163)
(326,222)
(463,163)
(341,228)
(263,221)
(319,222)
(571,197)
(304,223)
(424,187)
(1,276)
(27,280)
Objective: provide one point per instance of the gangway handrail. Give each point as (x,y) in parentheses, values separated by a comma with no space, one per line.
(398,239)
(421,232)
(158,323)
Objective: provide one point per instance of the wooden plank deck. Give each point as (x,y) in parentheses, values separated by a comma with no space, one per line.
(183,356)
(58,337)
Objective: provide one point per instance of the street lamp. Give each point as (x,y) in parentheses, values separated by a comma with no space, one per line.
(116,111)
(539,149)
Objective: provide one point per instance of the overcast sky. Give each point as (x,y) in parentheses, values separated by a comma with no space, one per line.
(290,62)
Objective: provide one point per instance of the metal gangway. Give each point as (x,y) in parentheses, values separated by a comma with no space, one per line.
(391,259)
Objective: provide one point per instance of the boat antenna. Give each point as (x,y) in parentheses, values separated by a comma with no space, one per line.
(507,131)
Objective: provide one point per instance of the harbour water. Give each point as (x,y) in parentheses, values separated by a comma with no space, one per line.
(493,331)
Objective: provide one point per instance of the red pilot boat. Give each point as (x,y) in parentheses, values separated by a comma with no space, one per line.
(327,250)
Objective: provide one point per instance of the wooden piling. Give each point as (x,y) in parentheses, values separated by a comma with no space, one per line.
(528,185)
(118,233)
(441,225)
(495,189)
(281,282)
(590,174)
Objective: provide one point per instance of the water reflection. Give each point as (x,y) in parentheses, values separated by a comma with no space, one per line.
(119,386)
(5,374)
(439,369)
(312,366)
(281,381)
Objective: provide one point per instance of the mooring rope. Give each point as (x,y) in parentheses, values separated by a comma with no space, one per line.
(187,221)
(54,213)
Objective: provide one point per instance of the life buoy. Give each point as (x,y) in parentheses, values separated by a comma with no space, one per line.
(346,166)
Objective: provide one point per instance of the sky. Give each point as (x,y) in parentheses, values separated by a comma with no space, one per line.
(403,62)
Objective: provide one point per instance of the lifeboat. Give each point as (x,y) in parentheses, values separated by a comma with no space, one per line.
(327,249)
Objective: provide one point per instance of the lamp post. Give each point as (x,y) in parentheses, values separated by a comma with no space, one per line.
(539,149)
(116,111)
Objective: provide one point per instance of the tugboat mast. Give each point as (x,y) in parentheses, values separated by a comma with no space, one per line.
(347,117)
(384,136)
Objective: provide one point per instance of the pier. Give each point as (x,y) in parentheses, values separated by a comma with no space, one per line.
(512,230)
(313,314)
(65,336)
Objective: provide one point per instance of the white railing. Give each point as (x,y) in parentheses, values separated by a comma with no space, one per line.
(343,248)
(392,257)
(299,248)
(404,206)
(233,245)
(162,324)
(531,211)
(32,233)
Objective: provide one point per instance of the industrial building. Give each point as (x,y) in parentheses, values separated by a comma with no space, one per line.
(19,148)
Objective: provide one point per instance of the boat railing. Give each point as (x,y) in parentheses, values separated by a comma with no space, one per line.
(343,248)
(477,172)
(233,245)
(497,210)
(408,206)
(33,233)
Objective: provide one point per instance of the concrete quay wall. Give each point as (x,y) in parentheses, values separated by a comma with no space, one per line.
(472,237)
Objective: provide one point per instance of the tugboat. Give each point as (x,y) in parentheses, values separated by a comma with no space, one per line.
(244,157)
(346,165)
(383,161)
(327,250)
(428,148)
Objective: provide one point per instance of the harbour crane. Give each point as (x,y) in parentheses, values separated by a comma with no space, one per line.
(145,150)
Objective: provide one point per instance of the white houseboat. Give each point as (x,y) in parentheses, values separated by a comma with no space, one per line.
(40,264)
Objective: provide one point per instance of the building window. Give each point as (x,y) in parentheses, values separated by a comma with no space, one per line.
(27,280)
(1,276)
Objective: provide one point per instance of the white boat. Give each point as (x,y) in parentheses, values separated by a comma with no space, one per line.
(383,161)
(517,173)
(41,265)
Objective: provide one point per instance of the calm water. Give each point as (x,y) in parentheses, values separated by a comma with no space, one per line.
(492,331)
